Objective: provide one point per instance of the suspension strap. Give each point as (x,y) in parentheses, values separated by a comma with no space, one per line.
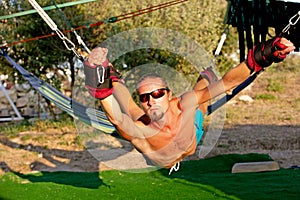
(79,39)
(68,43)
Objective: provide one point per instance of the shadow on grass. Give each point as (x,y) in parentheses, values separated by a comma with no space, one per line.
(78,179)
(89,180)
(58,171)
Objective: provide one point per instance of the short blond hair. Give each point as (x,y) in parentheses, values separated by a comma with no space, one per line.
(151,75)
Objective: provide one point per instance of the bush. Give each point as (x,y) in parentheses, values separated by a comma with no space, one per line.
(265,97)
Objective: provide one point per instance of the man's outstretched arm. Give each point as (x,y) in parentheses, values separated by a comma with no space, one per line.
(261,56)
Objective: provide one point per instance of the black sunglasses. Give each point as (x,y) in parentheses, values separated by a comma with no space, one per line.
(156,94)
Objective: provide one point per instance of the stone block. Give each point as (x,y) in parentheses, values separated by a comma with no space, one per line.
(255,167)
(22,102)
(4,113)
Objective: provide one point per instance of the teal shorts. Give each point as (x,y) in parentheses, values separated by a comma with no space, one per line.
(199,125)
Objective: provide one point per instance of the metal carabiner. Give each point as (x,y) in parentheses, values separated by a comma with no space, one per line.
(291,23)
(296,21)
(101,76)
(68,43)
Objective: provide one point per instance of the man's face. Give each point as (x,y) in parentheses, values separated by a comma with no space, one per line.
(154,98)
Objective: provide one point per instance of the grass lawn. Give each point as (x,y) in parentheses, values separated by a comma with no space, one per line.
(203,179)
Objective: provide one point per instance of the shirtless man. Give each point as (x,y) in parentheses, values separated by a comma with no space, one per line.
(164,129)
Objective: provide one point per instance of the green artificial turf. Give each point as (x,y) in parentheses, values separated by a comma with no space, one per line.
(203,179)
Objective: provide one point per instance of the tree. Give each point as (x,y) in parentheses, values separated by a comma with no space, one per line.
(202,21)
(42,55)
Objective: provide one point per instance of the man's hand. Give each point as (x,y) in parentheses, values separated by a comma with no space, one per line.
(264,54)
(284,47)
(98,56)
(99,73)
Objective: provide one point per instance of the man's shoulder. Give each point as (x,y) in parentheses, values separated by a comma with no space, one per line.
(176,102)
(188,101)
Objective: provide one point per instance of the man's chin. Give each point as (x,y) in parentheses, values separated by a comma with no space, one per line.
(156,117)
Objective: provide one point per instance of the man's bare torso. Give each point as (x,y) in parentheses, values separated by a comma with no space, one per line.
(169,142)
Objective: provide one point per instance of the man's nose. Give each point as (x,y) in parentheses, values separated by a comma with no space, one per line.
(151,101)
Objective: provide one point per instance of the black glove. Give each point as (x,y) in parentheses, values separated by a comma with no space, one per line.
(98,79)
(264,54)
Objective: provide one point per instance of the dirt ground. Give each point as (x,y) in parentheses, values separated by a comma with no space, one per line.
(262,126)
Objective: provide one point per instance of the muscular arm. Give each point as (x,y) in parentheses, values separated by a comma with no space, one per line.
(263,55)
(127,127)
(231,79)
(126,102)
(235,76)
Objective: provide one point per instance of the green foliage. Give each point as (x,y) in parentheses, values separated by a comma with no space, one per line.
(43,55)
(12,129)
(274,86)
(204,26)
(265,97)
